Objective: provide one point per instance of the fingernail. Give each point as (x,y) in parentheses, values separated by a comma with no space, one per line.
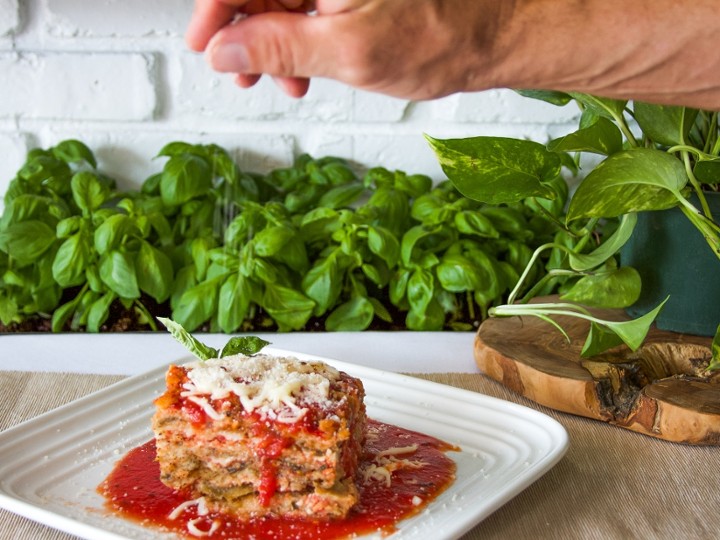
(229,57)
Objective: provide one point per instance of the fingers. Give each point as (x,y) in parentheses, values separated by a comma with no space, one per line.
(278,44)
(293,86)
(208,17)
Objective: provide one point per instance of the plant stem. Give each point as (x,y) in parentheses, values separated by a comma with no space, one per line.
(696,185)
(526,271)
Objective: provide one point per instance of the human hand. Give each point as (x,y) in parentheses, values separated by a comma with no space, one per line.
(415,49)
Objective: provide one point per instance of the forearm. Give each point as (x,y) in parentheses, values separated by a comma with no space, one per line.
(658,51)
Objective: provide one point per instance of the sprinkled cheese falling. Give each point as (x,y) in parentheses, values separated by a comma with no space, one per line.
(279,388)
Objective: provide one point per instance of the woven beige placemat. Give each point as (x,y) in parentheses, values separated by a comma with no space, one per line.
(612,484)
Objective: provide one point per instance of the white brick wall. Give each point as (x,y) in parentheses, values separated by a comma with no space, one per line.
(117,75)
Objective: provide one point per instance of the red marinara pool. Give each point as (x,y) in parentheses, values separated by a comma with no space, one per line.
(133,490)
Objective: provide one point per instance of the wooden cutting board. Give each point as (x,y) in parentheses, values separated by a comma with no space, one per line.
(661,390)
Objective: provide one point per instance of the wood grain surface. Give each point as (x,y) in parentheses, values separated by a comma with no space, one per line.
(662,389)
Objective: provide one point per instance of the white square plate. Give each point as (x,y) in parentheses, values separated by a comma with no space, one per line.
(51,465)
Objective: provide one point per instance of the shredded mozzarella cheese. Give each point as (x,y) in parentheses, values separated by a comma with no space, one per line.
(279,388)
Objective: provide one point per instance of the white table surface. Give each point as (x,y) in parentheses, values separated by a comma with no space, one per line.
(133,353)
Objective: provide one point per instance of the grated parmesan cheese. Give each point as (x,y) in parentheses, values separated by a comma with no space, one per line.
(385,462)
(279,388)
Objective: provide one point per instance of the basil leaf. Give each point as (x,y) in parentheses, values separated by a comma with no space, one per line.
(233,302)
(475,224)
(27,241)
(200,350)
(420,289)
(354,315)
(70,261)
(431,319)
(99,312)
(154,272)
(289,308)
(497,170)
(271,240)
(384,244)
(341,196)
(457,273)
(629,181)
(184,177)
(111,233)
(89,193)
(73,151)
(197,304)
(117,271)
(247,345)
(323,284)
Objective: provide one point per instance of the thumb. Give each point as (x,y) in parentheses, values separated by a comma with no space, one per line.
(278,44)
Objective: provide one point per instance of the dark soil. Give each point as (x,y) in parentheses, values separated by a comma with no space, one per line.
(122,319)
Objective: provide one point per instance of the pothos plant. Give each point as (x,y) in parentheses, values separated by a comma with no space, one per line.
(653,158)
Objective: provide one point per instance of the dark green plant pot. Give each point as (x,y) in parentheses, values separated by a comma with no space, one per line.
(674,259)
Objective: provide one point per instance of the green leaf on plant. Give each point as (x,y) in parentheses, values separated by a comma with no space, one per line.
(603,137)
(707,171)
(618,288)
(715,361)
(599,340)
(117,271)
(99,311)
(184,177)
(549,96)
(629,181)
(154,272)
(89,192)
(586,261)
(233,302)
(71,260)
(354,315)
(26,241)
(663,124)
(288,307)
(73,151)
(610,108)
(632,332)
(496,169)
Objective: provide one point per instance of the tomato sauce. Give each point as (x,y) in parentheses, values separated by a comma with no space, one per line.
(134,490)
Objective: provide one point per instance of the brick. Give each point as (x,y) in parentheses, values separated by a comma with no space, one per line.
(13,149)
(129,156)
(117,18)
(76,86)
(9,17)
(203,93)
(501,106)
(405,152)
(372,107)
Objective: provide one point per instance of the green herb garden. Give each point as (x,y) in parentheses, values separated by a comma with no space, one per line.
(217,248)
(318,246)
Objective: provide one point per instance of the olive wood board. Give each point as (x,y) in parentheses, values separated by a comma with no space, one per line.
(662,389)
